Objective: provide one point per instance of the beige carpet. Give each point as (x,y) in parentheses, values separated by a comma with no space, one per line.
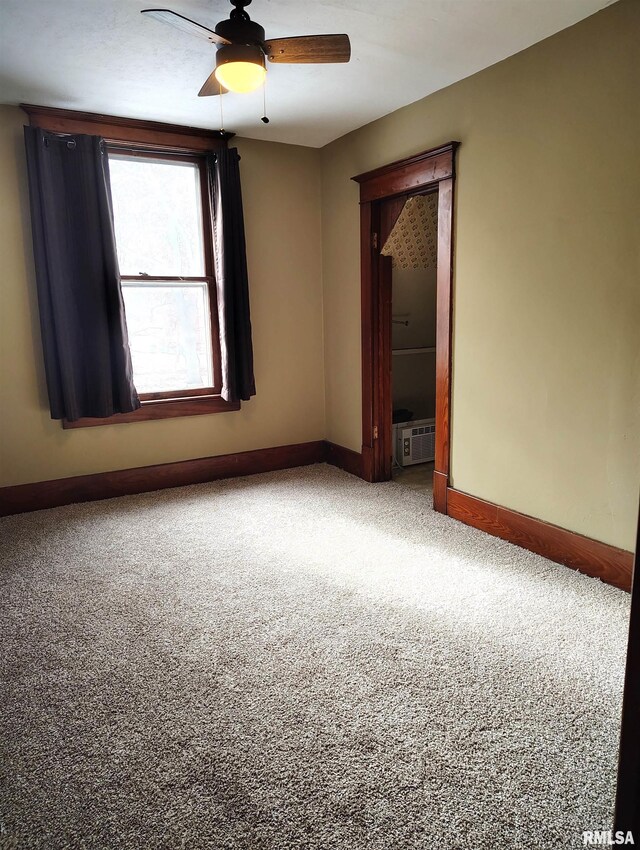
(299,660)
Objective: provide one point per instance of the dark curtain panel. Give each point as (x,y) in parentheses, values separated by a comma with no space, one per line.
(232,284)
(84,331)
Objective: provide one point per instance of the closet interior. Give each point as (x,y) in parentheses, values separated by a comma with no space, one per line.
(412,246)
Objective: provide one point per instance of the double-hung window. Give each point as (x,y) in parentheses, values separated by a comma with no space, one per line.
(163,238)
(161,197)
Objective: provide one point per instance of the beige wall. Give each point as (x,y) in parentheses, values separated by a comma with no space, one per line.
(546,376)
(281,189)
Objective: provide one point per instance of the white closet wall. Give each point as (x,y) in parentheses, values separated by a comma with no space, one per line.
(414,374)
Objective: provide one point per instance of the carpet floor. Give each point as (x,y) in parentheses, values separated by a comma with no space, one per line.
(299,660)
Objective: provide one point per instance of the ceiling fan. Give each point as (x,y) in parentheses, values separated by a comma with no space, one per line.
(242,48)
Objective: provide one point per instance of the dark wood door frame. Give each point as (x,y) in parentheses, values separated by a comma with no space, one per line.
(382,195)
(627,810)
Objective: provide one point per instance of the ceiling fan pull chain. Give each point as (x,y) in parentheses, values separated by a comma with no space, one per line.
(264,118)
(221,113)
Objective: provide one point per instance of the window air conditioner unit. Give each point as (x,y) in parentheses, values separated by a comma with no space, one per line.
(416,443)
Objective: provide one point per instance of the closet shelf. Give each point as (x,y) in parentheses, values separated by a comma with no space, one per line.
(413,350)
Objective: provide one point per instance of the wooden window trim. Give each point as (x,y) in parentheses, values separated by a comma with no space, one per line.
(165,409)
(153,139)
(116,130)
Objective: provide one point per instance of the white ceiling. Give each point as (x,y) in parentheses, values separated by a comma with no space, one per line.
(104,56)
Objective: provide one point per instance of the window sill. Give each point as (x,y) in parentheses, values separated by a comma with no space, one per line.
(162,409)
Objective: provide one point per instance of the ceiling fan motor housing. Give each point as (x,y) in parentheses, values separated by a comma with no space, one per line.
(241,31)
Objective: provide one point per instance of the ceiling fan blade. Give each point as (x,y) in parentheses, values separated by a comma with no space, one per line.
(211,86)
(310,49)
(185,24)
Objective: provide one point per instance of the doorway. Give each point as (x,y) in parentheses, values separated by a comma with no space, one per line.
(383,195)
(412,247)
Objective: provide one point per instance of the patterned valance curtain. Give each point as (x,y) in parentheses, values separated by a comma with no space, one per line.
(413,241)
(82,318)
(232,284)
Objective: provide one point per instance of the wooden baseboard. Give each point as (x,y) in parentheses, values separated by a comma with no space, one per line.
(345,459)
(600,560)
(125,482)
(581,553)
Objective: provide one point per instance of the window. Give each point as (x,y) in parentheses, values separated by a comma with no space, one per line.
(163,239)
(162,218)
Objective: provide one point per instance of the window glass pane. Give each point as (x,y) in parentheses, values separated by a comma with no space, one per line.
(157,210)
(169,335)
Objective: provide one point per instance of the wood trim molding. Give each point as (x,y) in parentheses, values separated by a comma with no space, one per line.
(367,353)
(444,330)
(440,487)
(128,130)
(627,808)
(599,560)
(382,194)
(367,463)
(125,482)
(160,409)
(345,459)
(407,175)
(592,557)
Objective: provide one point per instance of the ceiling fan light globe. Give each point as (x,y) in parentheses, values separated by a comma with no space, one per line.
(241,77)
(240,67)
